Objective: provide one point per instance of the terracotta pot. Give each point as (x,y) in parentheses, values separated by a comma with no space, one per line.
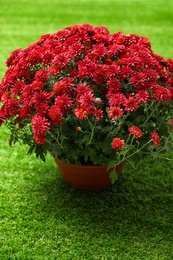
(87,177)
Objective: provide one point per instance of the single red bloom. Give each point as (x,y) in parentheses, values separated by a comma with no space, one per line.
(62,59)
(59,87)
(86,99)
(161,93)
(41,75)
(40,102)
(25,111)
(53,70)
(40,98)
(117,99)
(63,86)
(82,71)
(135,131)
(83,88)
(131,104)
(37,85)
(63,103)
(115,112)
(98,113)
(112,71)
(114,86)
(99,76)
(18,87)
(40,127)
(55,115)
(11,107)
(156,138)
(80,112)
(13,59)
(142,96)
(117,144)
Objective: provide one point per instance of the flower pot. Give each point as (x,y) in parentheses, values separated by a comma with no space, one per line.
(86,177)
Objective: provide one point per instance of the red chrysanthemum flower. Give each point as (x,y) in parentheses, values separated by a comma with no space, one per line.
(155,138)
(81,89)
(55,114)
(99,76)
(41,75)
(98,113)
(161,93)
(3,114)
(135,131)
(131,104)
(86,99)
(62,59)
(37,85)
(13,59)
(63,86)
(142,96)
(117,100)
(63,103)
(82,71)
(112,71)
(40,98)
(59,87)
(53,70)
(117,144)
(18,87)
(114,86)
(115,112)
(80,112)
(25,111)
(11,107)
(40,127)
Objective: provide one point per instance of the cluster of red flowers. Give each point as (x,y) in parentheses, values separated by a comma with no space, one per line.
(118,143)
(83,70)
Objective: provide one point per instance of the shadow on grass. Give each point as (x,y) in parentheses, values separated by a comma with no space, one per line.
(138,203)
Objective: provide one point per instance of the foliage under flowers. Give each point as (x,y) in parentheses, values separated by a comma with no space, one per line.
(88,96)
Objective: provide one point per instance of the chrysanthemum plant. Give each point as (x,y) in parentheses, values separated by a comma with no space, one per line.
(89,97)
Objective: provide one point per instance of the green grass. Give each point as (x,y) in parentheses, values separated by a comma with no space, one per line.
(43,218)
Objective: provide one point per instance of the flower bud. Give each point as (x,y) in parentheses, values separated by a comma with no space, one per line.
(98,100)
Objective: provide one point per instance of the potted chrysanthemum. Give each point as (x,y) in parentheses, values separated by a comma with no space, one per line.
(89,98)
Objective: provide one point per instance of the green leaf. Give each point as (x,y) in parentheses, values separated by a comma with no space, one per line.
(31,149)
(111,164)
(39,151)
(113,176)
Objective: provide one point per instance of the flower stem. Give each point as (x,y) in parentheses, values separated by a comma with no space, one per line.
(137,151)
(92,130)
(152,112)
